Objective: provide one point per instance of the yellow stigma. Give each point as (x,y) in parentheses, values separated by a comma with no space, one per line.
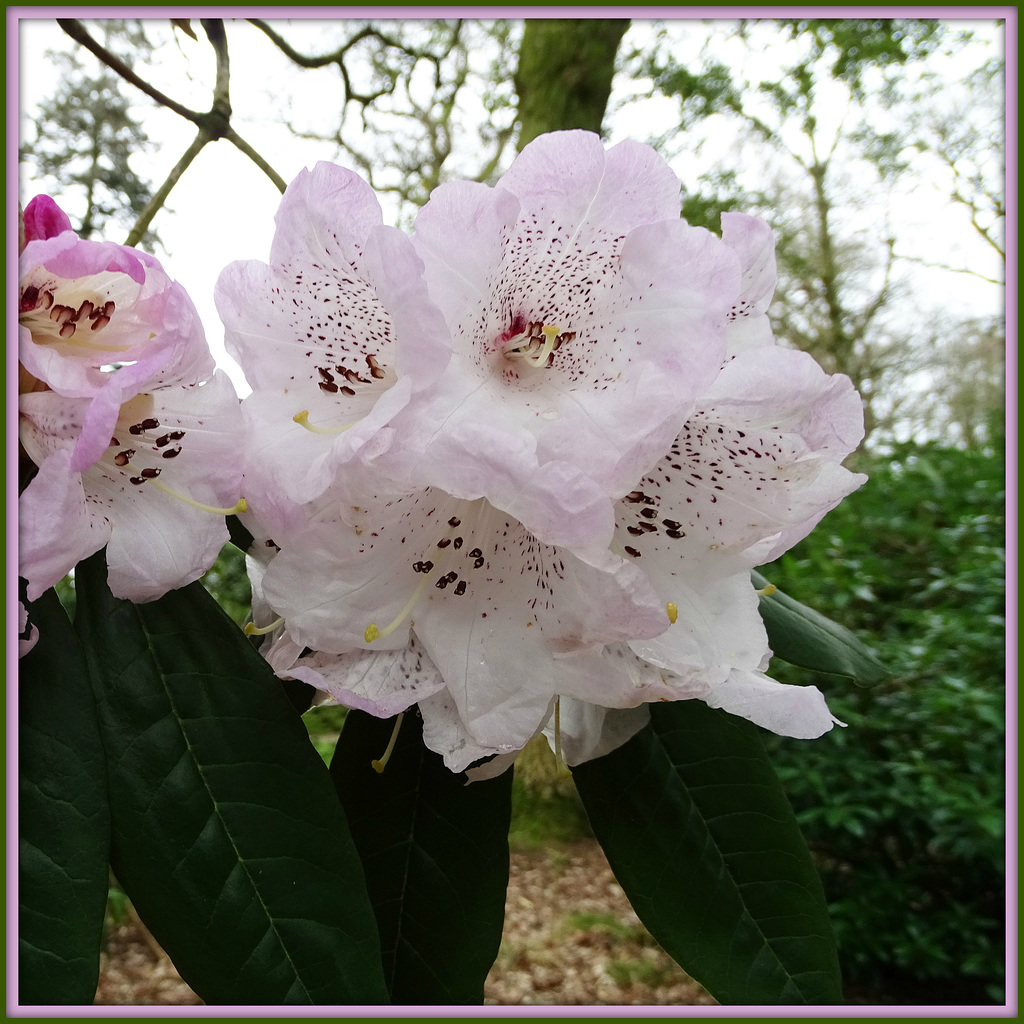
(302,418)
(380,764)
(766,591)
(251,629)
(673,612)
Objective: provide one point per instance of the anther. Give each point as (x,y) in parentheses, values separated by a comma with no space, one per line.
(251,629)
(673,612)
(766,591)
(302,418)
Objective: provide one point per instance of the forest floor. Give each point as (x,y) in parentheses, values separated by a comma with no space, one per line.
(570,938)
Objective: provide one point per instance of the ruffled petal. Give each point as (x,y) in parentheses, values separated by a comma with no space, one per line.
(381,683)
(796,711)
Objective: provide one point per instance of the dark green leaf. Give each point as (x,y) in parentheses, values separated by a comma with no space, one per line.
(699,834)
(227,834)
(64,824)
(803,637)
(436,857)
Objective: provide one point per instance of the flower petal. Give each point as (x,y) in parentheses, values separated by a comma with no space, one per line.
(44,218)
(56,528)
(796,711)
(754,244)
(381,683)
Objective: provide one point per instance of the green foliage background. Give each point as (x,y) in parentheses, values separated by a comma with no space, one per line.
(904,809)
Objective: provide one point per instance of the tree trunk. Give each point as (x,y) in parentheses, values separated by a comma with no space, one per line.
(565,73)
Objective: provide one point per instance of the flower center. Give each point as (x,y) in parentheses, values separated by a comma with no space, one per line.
(447,550)
(137,422)
(51,321)
(347,383)
(536,344)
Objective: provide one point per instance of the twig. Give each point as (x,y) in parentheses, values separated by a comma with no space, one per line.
(142,225)
(233,137)
(77,31)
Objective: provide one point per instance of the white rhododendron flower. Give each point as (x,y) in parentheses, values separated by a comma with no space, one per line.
(135,439)
(557,527)
(334,335)
(156,497)
(505,622)
(586,319)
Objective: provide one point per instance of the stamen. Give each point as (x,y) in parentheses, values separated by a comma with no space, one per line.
(550,344)
(530,347)
(374,633)
(251,629)
(560,764)
(236,510)
(149,477)
(302,418)
(766,591)
(673,612)
(380,764)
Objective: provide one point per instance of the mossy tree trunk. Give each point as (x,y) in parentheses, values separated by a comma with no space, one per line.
(565,73)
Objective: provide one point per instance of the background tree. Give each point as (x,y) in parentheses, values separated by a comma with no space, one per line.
(421,101)
(564,75)
(825,150)
(86,136)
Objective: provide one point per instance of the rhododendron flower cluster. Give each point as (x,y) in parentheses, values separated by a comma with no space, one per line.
(132,435)
(516,469)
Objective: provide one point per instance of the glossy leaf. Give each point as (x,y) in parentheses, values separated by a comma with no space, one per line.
(436,857)
(804,637)
(227,834)
(700,836)
(64,825)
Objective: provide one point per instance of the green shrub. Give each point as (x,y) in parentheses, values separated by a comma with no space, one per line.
(905,807)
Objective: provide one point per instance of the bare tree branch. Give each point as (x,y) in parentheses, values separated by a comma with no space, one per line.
(77,31)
